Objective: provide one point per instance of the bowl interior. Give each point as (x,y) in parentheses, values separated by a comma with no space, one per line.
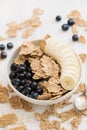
(35,101)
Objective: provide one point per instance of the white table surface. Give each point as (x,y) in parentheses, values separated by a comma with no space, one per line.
(20,10)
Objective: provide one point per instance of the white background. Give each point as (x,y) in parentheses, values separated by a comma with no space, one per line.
(20,10)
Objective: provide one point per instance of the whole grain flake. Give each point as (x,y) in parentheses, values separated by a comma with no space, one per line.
(12,29)
(83,57)
(82,39)
(18,103)
(4,95)
(8,119)
(75,122)
(19,128)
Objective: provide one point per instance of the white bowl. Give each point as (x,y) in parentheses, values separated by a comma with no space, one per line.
(35,101)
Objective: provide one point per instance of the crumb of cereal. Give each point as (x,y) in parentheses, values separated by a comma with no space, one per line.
(37,116)
(15,102)
(28,32)
(74,13)
(47,36)
(63,128)
(8,119)
(12,29)
(80,88)
(79,22)
(9,89)
(4,95)
(74,29)
(66,115)
(82,39)
(2,38)
(75,122)
(18,103)
(83,57)
(38,11)
(19,128)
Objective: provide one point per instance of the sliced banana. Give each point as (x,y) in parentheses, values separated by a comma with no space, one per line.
(68,81)
(63,54)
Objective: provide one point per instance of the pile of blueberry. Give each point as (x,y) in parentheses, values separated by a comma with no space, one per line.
(21,77)
(66,26)
(3,53)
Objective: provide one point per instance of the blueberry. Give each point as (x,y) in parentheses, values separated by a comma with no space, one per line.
(27,63)
(36,95)
(34,85)
(2,46)
(58,18)
(22,82)
(27,85)
(3,55)
(65,27)
(20,75)
(31,95)
(21,68)
(14,67)
(27,91)
(71,22)
(16,82)
(20,88)
(12,75)
(9,45)
(75,37)
(39,90)
(29,75)
(28,69)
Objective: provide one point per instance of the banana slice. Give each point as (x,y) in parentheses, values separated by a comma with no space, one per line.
(68,81)
(63,54)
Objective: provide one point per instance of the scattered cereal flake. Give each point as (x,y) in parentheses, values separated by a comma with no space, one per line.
(73,14)
(4,95)
(2,38)
(53,125)
(63,128)
(82,39)
(62,104)
(35,22)
(37,115)
(15,102)
(12,31)
(47,36)
(19,128)
(24,24)
(84,112)
(65,116)
(74,29)
(79,22)
(8,119)
(80,88)
(18,103)
(83,57)
(10,89)
(75,122)
(85,24)
(28,32)
(26,105)
(38,11)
